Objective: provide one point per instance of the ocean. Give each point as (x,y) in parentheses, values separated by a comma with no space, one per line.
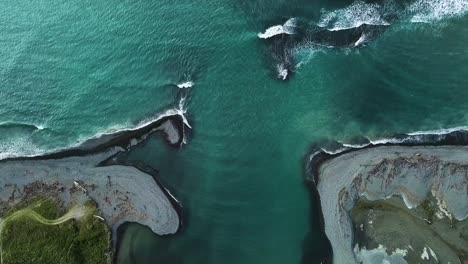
(72,70)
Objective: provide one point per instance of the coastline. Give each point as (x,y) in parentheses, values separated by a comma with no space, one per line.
(318,155)
(91,171)
(123,138)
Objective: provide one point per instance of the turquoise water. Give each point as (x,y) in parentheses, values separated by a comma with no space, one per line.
(71,70)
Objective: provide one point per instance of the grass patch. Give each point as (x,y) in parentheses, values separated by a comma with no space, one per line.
(42,232)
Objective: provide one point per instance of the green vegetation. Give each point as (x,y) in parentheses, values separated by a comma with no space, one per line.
(43,233)
(428,208)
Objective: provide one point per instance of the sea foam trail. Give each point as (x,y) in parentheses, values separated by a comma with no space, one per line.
(21,125)
(335,27)
(427,11)
(353,16)
(286,28)
(361,13)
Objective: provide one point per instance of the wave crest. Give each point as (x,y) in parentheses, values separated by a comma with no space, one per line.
(21,125)
(289,28)
(361,13)
(353,16)
(426,11)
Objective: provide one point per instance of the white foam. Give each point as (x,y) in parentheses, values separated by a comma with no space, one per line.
(282,71)
(426,11)
(412,137)
(361,40)
(355,15)
(421,11)
(186,85)
(441,131)
(286,28)
(38,127)
(19,146)
(334,152)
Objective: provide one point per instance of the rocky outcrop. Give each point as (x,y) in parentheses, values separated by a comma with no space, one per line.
(284,40)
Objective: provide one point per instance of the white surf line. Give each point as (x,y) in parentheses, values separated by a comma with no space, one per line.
(411,137)
(426,11)
(420,11)
(352,16)
(186,85)
(13,123)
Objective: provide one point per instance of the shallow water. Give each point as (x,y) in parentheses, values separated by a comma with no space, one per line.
(69,71)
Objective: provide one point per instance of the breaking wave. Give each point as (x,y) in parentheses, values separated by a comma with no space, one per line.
(20,139)
(427,11)
(19,125)
(351,27)
(186,85)
(282,71)
(179,110)
(353,16)
(289,27)
(361,13)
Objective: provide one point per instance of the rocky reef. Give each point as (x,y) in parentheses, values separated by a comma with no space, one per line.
(432,182)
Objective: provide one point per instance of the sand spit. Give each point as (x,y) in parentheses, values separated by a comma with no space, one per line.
(122,193)
(414,173)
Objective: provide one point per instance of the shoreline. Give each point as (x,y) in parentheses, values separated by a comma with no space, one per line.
(77,174)
(122,138)
(318,155)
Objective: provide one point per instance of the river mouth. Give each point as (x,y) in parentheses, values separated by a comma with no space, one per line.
(83,69)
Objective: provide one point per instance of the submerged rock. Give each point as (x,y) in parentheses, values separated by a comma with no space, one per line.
(285,40)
